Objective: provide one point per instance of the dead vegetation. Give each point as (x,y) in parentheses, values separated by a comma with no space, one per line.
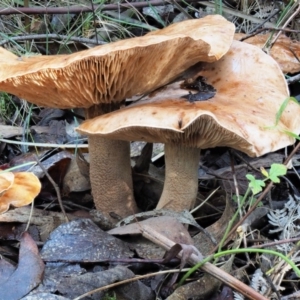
(228,222)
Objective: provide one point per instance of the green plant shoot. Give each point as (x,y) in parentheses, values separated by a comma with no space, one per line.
(256,185)
(276,170)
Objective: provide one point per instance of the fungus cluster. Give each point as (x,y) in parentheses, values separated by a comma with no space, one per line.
(248,90)
(229,93)
(99,80)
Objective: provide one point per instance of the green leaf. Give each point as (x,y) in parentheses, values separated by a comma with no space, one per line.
(255,185)
(277,170)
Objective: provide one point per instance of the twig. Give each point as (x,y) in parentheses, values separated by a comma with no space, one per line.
(80,9)
(238,14)
(55,187)
(109,286)
(296,12)
(203,202)
(52,36)
(265,21)
(30,216)
(266,245)
(209,268)
(267,28)
(293,79)
(94,19)
(59,146)
(237,193)
(174,2)
(282,29)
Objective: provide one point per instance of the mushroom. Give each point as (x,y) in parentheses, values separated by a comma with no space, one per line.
(249,90)
(23,187)
(99,79)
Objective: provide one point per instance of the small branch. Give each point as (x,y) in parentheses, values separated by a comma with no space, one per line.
(295,13)
(209,268)
(267,28)
(293,79)
(80,9)
(238,14)
(58,146)
(267,245)
(52,36)
(136,278)
(265,21)
(55,187)
(182,10)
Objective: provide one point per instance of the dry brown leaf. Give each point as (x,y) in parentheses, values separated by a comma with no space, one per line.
(75,181)
(284,50)
(27,275)
(8,131)
(169,226)
(26,186)
(66,243)
(166,225)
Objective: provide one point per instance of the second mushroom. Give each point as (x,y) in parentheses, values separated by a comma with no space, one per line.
(230,103)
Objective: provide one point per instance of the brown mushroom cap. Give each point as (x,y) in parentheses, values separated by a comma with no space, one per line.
(115,71)
(250,90)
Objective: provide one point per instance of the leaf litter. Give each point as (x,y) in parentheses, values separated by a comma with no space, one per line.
(71,279)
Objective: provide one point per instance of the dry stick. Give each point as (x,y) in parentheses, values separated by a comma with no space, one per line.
(26,18)
(286,23)
(51,36)
(182,10)
(58,146)
(148,233)
(235,183)
(30,216)
(267,245)
(268,28)
(205,202)
(264,22)
(237,13)
(94,19)
(259,199)
(80,9)
(55,187)
(293,79)
(109,286)
(282,29)
(209,268)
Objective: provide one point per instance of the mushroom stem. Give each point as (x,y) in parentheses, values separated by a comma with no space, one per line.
(181,183)
(110,175)
(110,170)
